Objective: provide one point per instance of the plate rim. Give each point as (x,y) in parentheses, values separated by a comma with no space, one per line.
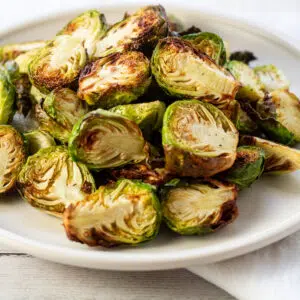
(179,258)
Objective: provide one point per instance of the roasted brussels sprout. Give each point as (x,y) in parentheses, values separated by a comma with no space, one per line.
(148,116)
(59,113)
(50,180)
(198,139)
(37,139)
(280,159)
(58,63)
(271,78)
(251,89)
(198,206)
(12,51)
(117,79)
(103,139)
(185,72)
(209,43)
(243,56)
(36,95)
(7,97)
(89,27)
(243,123)
(24,60)
(12,157)
(141,29)
(247,168)
(125,212)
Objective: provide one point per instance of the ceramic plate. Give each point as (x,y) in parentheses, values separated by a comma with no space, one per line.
(269,210)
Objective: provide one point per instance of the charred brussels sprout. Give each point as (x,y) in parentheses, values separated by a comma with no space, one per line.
(280,159)
(12,51)
(12,157)
(126,212)
(103,139)
(251,88)
(117,79)
(7,97)
(271,78)
(141,29)
(89,27)
(58,63)
(148,116)
(59,113)
(247,168)
(50,180)
(198,206)
(37,140)
(198,139)
(209,43)
(185,72)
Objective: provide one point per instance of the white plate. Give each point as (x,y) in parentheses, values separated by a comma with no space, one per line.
(269,210)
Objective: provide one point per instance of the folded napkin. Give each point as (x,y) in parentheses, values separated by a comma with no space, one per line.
(270,273)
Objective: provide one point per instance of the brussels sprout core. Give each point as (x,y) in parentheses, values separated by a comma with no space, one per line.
(125,212)
(198,139)
(103,139)
(12,157)
(182,71)
(198,207)
(50,180)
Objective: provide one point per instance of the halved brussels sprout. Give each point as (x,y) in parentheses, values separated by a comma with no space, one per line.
(247,168)
(38,139)
(102,139)
(209,43)
(284,107)
(36,95)
(149,116)
(280,159)
(271,78)
(59,113)
(244,56)
(89,27)
(7,97)
(12,157)
(143,28)
(50,180)
(198,139)
(185,72)
(251,88)
(11,51)
(116,79)
(126,212)
(58,63)
(24,59)
(198,206)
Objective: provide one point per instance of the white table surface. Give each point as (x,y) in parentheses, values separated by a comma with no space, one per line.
(25,277)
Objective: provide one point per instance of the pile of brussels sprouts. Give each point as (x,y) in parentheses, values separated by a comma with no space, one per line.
(139,122)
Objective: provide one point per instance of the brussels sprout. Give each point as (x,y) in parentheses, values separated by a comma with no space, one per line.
(148,116)
(143,28)
(198,139)
(185,72)
(103,139)
(248,166)
(12,157)
(89,27)
(50,180)
(198,206)
(59,113)
(271,78)
(280,159)
(36,95)
(126,212)
(243,56)
(243,122)
(24,60)
(11,51)
(251,88)
(7,97)
(37,140)
(117,79)
(209,43)
(58,63)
